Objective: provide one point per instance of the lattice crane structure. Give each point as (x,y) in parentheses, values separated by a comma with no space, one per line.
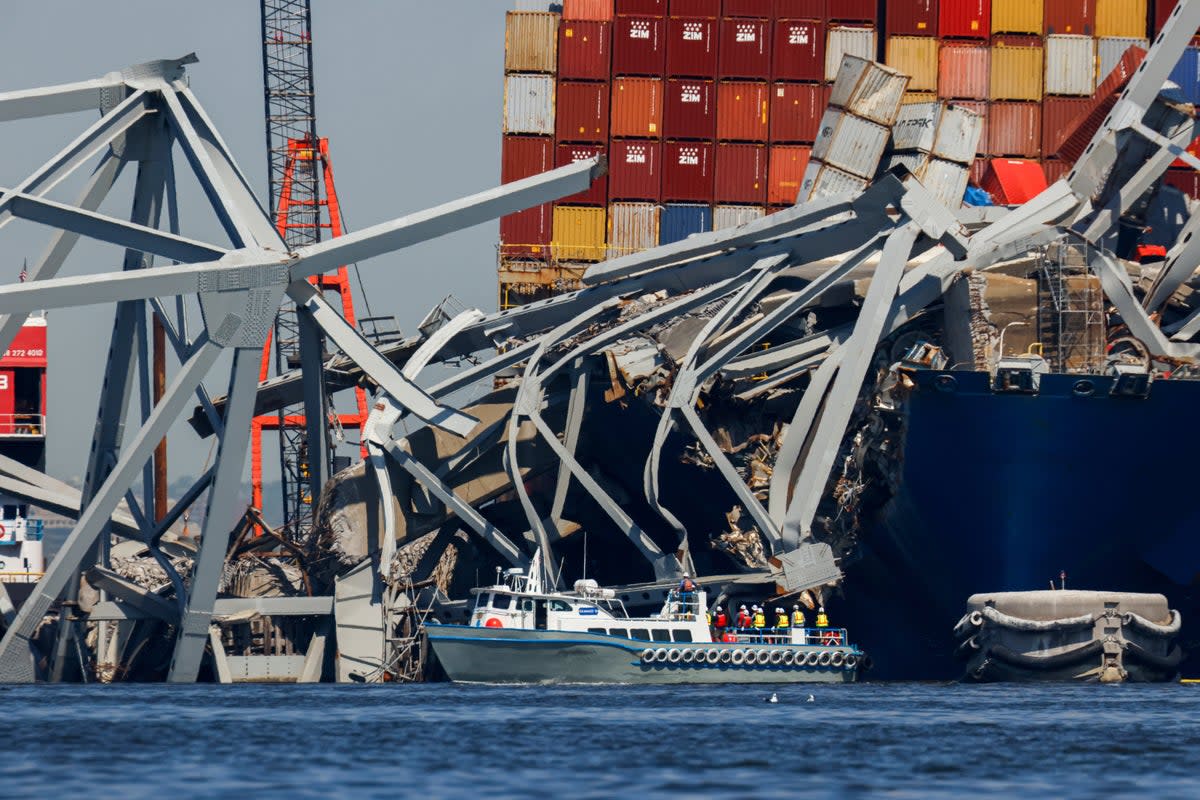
(305,207)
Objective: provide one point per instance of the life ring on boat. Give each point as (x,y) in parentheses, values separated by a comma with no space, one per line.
(689,655)
(738,658)
(673,656)
(811,658)
(764,657)
(712,656)
(789,657)
(775,657)
(851,661)
(660,655)
(837,658)
(647,655)
(493,622)
(725,655)
(824,659)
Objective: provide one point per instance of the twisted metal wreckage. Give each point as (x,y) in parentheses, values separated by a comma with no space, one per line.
(660,364)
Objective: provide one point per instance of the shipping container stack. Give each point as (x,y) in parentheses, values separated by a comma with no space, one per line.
(709,110)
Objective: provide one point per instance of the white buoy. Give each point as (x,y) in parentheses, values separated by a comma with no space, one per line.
(774,698)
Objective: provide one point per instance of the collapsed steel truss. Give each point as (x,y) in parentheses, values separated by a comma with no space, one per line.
(909,245)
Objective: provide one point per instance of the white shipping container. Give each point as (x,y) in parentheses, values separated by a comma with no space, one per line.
(916,126)
(632,227)
(529,104)
(847,41)
(733,216)
(958,132)
(947,181)
(1070,65)
(869,90)
(850,143)
(1109,50)
(913,161)
(823,180)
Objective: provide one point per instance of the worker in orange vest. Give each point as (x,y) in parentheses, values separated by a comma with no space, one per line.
(720,623)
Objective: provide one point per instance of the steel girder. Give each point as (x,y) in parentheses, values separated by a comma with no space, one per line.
(146,111)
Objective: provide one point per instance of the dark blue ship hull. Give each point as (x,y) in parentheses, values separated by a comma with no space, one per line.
(1001,492)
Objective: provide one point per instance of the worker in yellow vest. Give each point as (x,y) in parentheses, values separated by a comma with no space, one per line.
(760,621)
(781,621)
(822,620)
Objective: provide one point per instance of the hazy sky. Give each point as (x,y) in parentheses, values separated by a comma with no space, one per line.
(409,94)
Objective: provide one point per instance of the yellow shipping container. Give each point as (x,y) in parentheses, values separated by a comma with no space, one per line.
(530,41)
(1018,16)
(917,57)
(1121,18)
(1016,73)
(578,234)
(918,97)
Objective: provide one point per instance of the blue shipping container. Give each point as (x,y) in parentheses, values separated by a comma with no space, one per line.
(1187,74)
(679,221)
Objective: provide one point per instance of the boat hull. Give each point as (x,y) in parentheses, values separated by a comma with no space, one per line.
(1001,492)
(491,655)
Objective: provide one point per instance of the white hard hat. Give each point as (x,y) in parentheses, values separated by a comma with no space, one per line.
(718,608)
(796,606)
(686,575)
(822,609)
(779,611)
(743,608)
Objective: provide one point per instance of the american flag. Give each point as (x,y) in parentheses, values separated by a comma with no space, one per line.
(24,271)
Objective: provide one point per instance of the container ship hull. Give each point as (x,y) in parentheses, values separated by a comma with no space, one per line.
(1005,491)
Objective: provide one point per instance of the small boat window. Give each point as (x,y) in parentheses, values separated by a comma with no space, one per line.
(481,600)
(559,605)
(661,635)
(640,633)
(527,605)
(597,630)
(622,632)
(683,635)
(501,601)
(10,512)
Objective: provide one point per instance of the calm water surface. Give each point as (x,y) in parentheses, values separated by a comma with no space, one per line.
(440,740)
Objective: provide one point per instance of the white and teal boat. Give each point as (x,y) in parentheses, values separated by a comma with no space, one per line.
(519,632)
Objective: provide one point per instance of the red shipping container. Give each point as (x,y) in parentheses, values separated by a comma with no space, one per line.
(1194,149)
(852,11)
(1076,17)
(635,170)
(639,46)
(688,169)
(1058,119)
(526,233)
(978,168)
(584,50)
(965,19)
(695,8)
(593,10)
(796,111)
(691,110)
(742,111)
(745,50)
(1162,12)
(798,52)
(644,8)
(1055,169)
(1085,126)
(581,112)
(741,174)
(914,17)
(800,9)
(597,193)
(758,9)
(1012,181)
(1185,180)
(637,106)
(963,71)
(691,47)
(1015,129)
(980,108)
(786,172)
